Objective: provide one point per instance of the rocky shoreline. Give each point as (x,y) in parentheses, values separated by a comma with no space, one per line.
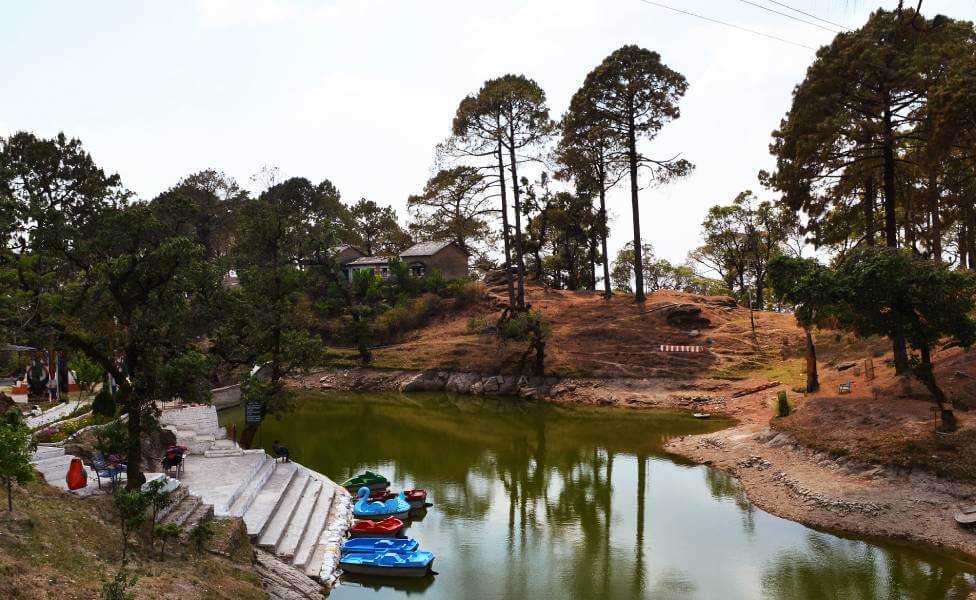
(778,474)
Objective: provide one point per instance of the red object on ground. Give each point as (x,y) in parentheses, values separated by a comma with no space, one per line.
(388,527)
(76,478)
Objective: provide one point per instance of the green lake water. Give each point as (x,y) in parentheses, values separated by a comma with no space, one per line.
(539,501)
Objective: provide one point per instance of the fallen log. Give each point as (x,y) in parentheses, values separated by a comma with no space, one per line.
(753,390)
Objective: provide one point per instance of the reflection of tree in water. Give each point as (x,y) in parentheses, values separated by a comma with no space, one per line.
(723,486)
(836,568)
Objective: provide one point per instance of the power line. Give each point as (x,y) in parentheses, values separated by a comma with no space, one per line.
(797,10)
(789,16)
(704,18)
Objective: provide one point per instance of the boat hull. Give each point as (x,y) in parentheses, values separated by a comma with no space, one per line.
(411,572)
(367,517)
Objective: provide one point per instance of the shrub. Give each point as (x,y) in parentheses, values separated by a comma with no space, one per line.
(104,403)
(466,292)
(112,438)
(201,535)
(117,587)
(783,407)
(522,326)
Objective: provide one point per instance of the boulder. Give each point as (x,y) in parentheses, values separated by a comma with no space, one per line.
(461,383)
(426,381)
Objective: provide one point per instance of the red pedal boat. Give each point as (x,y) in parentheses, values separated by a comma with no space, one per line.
(416,498)
(388,527)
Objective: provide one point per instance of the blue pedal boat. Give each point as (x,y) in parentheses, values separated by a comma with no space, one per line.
(378,545)
(388,564)
(377,511)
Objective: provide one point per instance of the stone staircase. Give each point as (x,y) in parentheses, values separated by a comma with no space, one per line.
(292,512)
(195,427)
(186,510)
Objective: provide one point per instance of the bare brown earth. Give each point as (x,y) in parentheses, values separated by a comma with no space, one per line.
(868,462)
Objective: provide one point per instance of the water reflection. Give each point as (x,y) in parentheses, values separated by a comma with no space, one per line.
(549,502)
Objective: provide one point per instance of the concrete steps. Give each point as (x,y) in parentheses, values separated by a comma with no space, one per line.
(316,524)
(278,525)
(251,489)
(266,502)
(299,523)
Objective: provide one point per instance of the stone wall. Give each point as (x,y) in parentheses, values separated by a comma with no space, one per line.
(436,381)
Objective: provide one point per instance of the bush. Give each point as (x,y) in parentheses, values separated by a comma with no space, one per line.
(117,587)
(112,438)
(201,535)
(783,408)
(467,292)
(409,314)
(522,326)
(104,403)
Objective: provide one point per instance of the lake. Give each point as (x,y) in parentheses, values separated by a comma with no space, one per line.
(532,500)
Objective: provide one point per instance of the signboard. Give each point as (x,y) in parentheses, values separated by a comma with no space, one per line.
(252,413)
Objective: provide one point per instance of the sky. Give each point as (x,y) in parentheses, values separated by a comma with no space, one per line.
(360,91)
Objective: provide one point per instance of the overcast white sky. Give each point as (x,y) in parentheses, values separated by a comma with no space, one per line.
(360,91)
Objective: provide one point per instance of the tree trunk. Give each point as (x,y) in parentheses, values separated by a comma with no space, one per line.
(638,259)
(891,229)
(592,283)
(10,494)
(518,220)
(813,381)
(970,216)
(607,290)
(962,244)
(508,245)
(936,226)
(133,468)
(867,205)
(926,373)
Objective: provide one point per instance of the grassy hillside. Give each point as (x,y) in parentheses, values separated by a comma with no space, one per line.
(57,546)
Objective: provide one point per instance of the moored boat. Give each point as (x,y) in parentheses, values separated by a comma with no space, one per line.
(387,528)
(364,509)
(366,479)
(379,545)
(388,564)
(416,498)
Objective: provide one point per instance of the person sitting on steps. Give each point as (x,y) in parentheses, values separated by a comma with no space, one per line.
(280,451)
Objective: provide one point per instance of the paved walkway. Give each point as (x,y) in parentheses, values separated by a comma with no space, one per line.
(55,414)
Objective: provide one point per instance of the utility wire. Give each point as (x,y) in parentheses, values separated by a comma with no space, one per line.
(797,10)
(788,16)
(752,31)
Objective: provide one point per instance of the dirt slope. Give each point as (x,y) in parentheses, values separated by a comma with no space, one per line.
(596,337)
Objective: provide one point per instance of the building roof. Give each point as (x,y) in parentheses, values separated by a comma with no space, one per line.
(341,247)
(369,260)
(429,249)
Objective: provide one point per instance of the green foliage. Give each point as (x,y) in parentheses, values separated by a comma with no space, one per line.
(103,404)
(117,588)
(455,205)
(87,372)
(187,376)
(112,438)
(783,407)
(157,499)
(202,534)
(165,533)
(740,241)
(524,326)
(15,455)
(131,507)
(376,229)
(634,94)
